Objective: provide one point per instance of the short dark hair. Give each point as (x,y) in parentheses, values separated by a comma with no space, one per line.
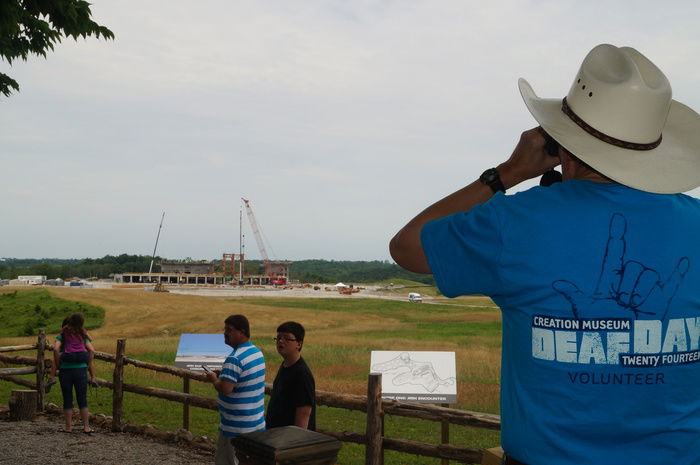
(292,327)
(240,322)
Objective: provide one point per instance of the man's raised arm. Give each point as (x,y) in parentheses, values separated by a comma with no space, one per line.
(528,160)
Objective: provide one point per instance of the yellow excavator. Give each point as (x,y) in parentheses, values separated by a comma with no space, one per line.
(159,288)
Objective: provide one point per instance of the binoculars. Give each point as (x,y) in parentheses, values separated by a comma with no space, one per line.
(551,146)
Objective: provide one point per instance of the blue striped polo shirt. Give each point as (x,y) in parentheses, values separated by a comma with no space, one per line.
(243,410)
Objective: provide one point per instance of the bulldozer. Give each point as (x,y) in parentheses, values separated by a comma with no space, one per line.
(159,287)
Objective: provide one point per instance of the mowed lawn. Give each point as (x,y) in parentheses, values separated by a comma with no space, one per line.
(341,333)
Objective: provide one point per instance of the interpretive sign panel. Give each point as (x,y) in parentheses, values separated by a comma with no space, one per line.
(411,376)
(196,350)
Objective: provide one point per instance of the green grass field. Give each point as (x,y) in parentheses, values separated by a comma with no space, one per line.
(23,313)
(341,333)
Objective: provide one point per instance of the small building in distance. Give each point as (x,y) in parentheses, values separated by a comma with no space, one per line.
(31,280)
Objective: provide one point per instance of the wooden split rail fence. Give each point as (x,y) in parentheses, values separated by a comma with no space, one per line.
(373,405)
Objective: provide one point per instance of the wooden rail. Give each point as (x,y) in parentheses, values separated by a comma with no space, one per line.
(373,405)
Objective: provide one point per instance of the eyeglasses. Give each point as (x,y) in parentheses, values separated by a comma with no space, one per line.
(283,339)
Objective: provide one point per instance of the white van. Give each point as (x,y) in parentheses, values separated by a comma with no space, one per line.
(414,297)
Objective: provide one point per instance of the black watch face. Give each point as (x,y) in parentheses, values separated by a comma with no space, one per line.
(489,176)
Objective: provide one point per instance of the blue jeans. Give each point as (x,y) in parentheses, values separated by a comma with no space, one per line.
(70,378)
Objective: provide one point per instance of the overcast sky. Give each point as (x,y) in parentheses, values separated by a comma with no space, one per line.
(339,120)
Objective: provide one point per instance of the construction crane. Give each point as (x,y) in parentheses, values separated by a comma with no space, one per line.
(150,268)
(258,237)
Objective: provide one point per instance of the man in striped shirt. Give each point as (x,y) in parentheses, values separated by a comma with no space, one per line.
(241,388)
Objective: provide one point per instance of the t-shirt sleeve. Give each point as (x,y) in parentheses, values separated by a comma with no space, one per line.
(231,370)
(463,250)
(304,392)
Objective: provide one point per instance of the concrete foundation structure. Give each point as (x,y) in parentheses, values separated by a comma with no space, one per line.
(188,279)
(187,267)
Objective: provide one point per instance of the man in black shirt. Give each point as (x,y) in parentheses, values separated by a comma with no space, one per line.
(293,399)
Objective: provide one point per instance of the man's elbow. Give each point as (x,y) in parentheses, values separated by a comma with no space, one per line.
(302,416)
(409,256)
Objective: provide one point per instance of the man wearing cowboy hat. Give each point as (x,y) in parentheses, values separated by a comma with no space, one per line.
(597,276)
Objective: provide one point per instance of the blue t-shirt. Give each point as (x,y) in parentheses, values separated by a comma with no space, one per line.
(599,286)
(243,410)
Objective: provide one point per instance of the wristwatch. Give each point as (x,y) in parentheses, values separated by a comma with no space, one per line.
(491,178)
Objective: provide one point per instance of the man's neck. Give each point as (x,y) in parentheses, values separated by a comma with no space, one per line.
(291,359)
(241,343)
(594,177)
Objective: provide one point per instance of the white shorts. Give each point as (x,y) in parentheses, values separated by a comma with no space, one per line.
(225,452)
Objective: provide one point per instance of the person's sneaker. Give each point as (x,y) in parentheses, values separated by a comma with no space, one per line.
(48,384)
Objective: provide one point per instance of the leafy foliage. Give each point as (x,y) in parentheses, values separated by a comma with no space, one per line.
(22,313)
(32,27)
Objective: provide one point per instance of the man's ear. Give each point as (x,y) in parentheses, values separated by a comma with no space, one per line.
(569,165)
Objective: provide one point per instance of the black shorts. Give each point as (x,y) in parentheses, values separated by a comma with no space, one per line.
(74,357)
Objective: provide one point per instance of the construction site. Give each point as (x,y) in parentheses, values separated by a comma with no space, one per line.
(230,270)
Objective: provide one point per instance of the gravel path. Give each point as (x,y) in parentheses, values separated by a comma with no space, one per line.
(42,442)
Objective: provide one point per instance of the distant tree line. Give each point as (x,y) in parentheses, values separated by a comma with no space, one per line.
(53,268)
(332,271)
(306,271)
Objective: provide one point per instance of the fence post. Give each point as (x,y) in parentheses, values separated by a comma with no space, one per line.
(118,392)
(40,367)
(186,404)
(445,435)
(374,451)
(383,418)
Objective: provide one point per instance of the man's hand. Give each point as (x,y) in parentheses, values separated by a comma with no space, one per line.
(211,376)
(528,160)
(221,385)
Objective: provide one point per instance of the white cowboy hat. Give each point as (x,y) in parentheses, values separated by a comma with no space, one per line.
(619,118)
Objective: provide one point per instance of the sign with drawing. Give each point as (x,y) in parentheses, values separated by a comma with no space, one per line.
(411,376)
(196,350)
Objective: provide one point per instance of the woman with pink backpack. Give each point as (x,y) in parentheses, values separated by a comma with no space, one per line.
(73,357)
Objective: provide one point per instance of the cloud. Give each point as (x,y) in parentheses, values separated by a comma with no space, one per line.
(340,120)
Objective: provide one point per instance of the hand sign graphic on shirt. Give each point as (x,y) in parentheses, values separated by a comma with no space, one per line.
(624,285)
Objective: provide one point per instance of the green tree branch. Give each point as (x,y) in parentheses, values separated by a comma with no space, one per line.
(32,27)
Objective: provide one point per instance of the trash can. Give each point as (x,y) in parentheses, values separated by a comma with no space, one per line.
(286,445)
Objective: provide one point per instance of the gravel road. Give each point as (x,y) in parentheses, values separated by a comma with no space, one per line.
(42,442)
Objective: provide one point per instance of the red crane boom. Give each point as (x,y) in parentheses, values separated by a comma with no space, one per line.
(258,236)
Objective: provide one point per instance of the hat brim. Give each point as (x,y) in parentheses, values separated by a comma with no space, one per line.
(672,167)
